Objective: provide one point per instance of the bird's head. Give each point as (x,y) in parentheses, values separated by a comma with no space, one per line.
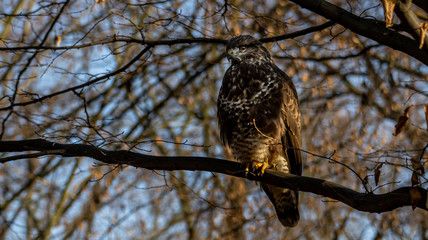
(246,48)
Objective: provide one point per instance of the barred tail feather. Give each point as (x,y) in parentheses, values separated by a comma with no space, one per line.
(286,203)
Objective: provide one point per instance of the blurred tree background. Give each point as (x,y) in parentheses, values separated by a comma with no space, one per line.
(144,76)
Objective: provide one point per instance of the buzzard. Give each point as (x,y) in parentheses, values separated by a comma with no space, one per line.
(259,119)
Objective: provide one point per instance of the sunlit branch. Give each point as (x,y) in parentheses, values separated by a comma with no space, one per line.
(360,201)
(369,28)
(408,17)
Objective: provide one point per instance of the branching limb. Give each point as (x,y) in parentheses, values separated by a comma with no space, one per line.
(369,28)
(88,83)
(360,201)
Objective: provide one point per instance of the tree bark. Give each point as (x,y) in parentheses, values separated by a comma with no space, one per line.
(366,202)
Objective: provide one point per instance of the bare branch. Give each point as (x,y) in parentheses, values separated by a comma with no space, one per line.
(298,33)
(168,42)
(124,39)
(369,28)
(360,201)
(88,83)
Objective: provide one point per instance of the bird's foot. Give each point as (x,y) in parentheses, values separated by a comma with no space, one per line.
(256,167)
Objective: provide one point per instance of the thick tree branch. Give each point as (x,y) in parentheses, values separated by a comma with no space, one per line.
(369,28)
(360,201)
(408,18)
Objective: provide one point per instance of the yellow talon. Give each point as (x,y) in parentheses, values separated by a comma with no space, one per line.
(262,171)
(247,170)
(261,166)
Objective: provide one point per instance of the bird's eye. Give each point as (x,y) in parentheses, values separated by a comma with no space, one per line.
(242,48)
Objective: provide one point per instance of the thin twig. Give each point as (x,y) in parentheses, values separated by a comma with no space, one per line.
(31,155)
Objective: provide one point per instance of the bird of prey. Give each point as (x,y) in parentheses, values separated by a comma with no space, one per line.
(259,119)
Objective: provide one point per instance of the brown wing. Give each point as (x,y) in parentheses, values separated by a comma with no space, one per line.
(286,200)
(291,135)
(226,122)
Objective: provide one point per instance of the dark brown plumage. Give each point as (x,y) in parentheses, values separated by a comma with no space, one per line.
(259,119)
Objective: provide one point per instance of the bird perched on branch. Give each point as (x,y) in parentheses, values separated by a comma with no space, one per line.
(259,119)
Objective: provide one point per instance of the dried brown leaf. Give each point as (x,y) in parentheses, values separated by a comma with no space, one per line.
(103,2)
(377,173)
(417,165)
(415,178)
(402,121)
(58,40)
(388,9)
(415,197)
(424,27)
